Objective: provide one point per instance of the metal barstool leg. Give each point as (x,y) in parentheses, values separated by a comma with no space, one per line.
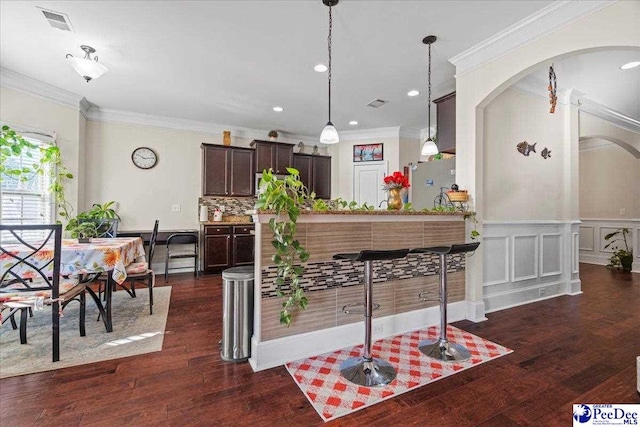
(442,349)
(367,370)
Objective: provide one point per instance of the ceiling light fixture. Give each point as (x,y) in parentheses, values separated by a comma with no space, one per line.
(429,148)
(630,65)
(353,122)
(329,134)
(413,93)
(88,68)
(321,68)
(278,109)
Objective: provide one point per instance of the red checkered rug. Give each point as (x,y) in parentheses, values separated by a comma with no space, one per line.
(332,396)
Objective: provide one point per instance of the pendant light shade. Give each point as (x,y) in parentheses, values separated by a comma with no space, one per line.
(329,134)
(88,68)
(429,148)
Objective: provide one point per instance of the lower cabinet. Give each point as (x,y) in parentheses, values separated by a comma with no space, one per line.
(227,246)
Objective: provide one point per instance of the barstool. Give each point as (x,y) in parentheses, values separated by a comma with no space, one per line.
(367,370)
(442,349)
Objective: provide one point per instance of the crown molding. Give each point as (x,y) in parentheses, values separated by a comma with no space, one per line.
(353,135)
(140,119)
(544,22)
(535,86)
(605,113)
(20,82)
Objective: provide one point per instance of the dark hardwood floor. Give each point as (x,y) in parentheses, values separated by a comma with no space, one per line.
(570,349)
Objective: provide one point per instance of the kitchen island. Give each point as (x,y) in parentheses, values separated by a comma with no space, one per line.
(330,284)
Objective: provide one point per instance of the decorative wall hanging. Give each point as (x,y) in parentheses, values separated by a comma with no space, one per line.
(546,153)
(525,148)
(553,86)
(367,153)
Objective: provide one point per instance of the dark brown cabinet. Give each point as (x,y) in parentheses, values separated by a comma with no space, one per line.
(217,247)
(446,123)
(275,155)
(315,173)
(227,246)
(227,171)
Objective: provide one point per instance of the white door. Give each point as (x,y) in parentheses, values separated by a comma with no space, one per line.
(367,183)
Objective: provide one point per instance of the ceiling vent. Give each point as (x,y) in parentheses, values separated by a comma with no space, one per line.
(57,20)
(376,103)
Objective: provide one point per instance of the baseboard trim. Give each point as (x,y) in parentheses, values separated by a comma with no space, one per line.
(272,353)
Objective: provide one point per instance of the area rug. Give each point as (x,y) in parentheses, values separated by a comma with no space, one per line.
(332,396)
(134,332)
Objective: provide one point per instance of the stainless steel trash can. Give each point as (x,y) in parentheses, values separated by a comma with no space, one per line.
(237,313)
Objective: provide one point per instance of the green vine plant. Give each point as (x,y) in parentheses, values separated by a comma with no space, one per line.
(12,144)
(286,198)
(475,234)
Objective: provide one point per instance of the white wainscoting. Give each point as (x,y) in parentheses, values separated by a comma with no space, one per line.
(592,242)
(527,261)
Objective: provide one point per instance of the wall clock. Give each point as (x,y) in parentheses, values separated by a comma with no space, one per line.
(144,157)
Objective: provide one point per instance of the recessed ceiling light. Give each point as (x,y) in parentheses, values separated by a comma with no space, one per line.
(278,109)
(321,68)
(630,65)
(353,122)
(413,93)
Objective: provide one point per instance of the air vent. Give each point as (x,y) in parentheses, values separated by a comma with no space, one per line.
(376,103)
(57,20)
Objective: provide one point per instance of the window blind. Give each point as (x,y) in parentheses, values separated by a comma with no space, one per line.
(26,202)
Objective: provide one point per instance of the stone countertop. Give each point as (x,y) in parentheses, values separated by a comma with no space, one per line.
(226,223)
(373,213)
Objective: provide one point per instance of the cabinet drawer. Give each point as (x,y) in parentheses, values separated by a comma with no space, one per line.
(215,230)
(243,229)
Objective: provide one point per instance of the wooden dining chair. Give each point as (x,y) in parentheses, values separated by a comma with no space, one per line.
(140,271)
(30,270)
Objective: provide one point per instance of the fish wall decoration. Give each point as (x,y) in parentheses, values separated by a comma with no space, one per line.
(525,148)
(546,153)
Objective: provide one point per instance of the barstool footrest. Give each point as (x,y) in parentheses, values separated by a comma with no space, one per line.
(346,308)
(444,350)
(373,372)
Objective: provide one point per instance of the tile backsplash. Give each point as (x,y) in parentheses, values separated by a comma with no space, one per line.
(233,206)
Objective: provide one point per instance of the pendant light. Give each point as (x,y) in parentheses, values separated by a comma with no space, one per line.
(88,68)
(329,134)
(429,148)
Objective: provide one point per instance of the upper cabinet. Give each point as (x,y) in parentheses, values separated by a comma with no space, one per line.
(446,123)
(275,155)
(227,171)
(315,173)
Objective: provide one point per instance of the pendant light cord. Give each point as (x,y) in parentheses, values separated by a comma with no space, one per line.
(329,46)
(429,105)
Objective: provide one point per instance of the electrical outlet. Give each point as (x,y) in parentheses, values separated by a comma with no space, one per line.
(542,292)
(378,328)
(623,211)
(452,171)
(175,208)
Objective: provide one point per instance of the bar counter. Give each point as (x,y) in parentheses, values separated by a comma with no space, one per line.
(330,284)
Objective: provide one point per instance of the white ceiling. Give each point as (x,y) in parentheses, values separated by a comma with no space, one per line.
(599,77)
(230,62)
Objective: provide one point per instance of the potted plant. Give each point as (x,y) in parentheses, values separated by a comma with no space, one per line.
(394,184)
(84,231)
(285,197)
(94,216)
(621,258)
(273,135)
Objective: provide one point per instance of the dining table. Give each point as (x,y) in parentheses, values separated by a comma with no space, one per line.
(100,258)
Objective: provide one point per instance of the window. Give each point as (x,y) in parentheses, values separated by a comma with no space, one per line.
(27,202)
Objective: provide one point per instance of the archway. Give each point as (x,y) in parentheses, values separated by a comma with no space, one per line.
(475,89)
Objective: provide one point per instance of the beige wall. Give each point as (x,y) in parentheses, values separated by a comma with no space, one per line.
(595,127)
(609,183)
(146,195)
(517,187)
(21,109)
